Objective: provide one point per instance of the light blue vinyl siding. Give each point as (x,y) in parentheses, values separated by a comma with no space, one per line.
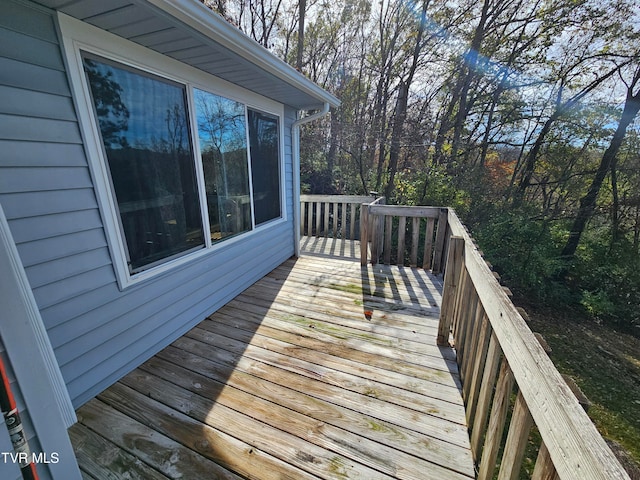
(98,332)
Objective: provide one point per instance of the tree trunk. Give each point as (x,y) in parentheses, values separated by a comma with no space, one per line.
(468,73)
(588,202)
(401,104)
(560,109)
(302,7)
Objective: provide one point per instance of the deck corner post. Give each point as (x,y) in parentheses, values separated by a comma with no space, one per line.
(453,273)
(439,251)
(364,233)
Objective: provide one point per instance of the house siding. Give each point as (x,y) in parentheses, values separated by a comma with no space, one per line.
(98,332)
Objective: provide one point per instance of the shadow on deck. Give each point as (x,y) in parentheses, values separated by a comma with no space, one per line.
(322,369)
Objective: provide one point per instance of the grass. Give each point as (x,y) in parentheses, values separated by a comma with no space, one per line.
(606,366)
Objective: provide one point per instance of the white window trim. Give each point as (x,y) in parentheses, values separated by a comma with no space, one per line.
(77,36)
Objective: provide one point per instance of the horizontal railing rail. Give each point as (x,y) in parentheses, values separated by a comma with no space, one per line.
(336,216)
(504,370)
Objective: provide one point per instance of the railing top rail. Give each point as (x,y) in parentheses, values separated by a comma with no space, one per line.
(577,449)
(337,198)
(377,201)
(405,211)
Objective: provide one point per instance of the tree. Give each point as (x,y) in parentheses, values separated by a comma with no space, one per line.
(607,164)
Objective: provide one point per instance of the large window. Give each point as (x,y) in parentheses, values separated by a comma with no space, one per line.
(265,165)
(146,140)
(181,161)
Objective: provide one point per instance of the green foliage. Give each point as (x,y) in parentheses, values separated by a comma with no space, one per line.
(441,190)
(525,252)
(607,279)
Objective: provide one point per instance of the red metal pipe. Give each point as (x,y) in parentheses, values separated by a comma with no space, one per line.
(16,430)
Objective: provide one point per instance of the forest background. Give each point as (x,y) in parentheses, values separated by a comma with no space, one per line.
(520,114)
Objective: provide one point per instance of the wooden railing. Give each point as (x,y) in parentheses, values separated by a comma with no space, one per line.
(504,370)
(412,236)
(336,216)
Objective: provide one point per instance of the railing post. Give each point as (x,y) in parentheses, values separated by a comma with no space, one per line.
(364,233)
(374,231)
(452,277)
(438,254)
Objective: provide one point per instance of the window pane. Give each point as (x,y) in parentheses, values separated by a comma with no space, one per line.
(223,146)
(143,123)
(265,165)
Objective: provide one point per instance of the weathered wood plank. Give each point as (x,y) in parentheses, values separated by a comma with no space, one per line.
(352,225)
(455,266)
(292,379)
(417,281)
(428,243)
(544,469)
(402,227)
(441,234)
(334,371)
(287,299)
(283,442)
(104,460)
(387,239)
(224,452)
(415,237)
(484,398)
(310,219)
(364,233)
(478,369)
(352,363)
(318,218)
(331,247)
(405,211)
(399,326)
(294,398)
(400,284)
(353,199)
(306,427)
(496,423)
(145,440)
(362,341)
(326,219)
(315,386)
(516,443)
(472,354)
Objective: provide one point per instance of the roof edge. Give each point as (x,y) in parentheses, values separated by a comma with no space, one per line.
(211,25)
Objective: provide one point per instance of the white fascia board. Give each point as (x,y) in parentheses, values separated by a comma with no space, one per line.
(208,23)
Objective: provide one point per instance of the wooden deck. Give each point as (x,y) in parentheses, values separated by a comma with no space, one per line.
(331,247)
(319,370)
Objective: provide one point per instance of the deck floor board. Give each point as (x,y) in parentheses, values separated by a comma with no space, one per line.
(322,369)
